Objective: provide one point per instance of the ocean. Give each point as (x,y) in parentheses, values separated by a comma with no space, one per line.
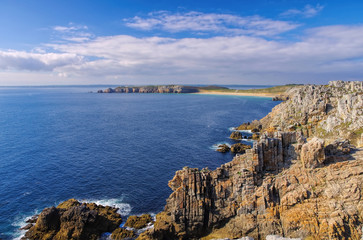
(64,142)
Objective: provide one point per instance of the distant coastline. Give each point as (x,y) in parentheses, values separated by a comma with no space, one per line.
(277,93)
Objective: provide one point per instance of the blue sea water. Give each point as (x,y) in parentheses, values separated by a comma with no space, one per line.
(58,143)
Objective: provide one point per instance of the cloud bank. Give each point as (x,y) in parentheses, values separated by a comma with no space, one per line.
(320,54)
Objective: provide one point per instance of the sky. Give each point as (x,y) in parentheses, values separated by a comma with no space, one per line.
(68,42)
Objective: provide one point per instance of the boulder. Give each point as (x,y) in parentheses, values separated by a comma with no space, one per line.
(239,148)
(223,148)
(236,135)
(74,220)
(312,153)
(138,222)
(121,233)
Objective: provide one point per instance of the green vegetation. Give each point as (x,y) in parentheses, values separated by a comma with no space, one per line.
(276,89)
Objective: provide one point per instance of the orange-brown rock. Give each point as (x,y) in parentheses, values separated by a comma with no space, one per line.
(236,135)
(239,148)
(223,148)
(302,179)
(121,233)
(138,222)
(266,191)
(74,220)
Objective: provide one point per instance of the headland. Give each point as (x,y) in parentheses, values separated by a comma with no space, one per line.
(276,93)
(302,179)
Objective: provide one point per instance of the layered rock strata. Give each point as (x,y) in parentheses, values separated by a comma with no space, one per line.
(297,181)
(325,111)
(272,189)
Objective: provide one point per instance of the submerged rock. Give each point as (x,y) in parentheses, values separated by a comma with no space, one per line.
(74,220)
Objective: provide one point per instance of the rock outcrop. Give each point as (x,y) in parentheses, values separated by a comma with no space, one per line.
(223,148)
(239,148)
(151,89)
(122,233)
(300,180)
(236,135)
(138,222)
(74,220)
(325,111)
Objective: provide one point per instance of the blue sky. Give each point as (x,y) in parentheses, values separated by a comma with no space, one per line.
(185,42)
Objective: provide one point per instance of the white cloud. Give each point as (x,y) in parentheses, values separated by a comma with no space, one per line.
(211,22)
(324,53)
(72,33)
(20,60)
(308,11)
(69,28)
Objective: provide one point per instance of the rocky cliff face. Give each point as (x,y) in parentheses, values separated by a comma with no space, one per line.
(325,111)
(151,89)
(289,184)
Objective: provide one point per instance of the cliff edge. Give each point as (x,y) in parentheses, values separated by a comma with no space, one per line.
(302,179)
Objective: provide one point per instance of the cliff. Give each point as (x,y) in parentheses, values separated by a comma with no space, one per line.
(325,111)
(301,179)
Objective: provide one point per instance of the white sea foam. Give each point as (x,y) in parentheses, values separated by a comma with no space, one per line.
(20,222)
(232,129)
(147,227)
(215,146)
(123,208)
(245,131)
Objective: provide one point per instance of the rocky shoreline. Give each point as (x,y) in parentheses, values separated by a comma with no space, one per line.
(301,179)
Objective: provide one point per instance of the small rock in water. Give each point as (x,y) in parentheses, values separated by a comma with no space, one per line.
(236,135)
(223,148)
(33,219)
(26,227)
